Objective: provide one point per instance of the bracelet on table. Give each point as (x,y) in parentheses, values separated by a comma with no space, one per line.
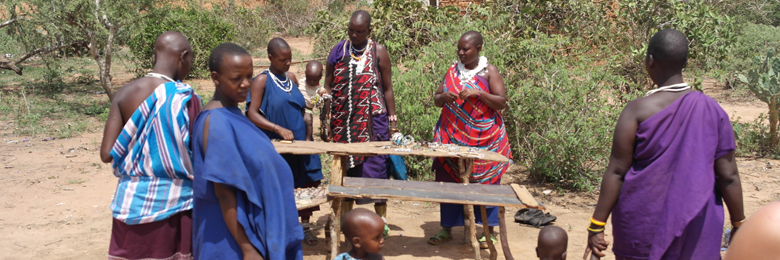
(738,223)
(597,223)
(595,230)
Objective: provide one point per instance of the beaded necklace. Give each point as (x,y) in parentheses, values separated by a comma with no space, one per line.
(159,76)
(670,88)
(352,50)
(284,85)
(467,75)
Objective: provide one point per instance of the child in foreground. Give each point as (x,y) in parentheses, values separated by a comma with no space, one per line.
(363,229)
(244,207)
(552,243)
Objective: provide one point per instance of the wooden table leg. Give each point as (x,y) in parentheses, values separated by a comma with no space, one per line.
(469,222)
(337,172)
(502,229)
(486,231)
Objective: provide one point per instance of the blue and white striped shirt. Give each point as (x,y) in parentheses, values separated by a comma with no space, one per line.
(153,160)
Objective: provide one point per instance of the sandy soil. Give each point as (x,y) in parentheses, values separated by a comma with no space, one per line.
(55,200)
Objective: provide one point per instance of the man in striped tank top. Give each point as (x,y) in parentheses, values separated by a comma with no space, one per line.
(147,140)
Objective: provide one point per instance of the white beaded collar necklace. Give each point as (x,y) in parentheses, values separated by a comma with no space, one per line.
(467,75)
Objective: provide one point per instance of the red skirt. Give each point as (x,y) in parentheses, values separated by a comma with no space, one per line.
(169,239)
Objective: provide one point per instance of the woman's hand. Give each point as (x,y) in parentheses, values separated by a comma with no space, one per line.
(596,244)
(287,135)
(468,93)
(449,96)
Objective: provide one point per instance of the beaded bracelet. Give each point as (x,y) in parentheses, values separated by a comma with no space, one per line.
(393,118)
(596,230)
(597,223)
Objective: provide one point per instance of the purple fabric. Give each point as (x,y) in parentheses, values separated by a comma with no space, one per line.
(670,188)
(337,53)
(374,167)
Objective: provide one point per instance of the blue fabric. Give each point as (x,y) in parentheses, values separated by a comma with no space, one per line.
(286,110)
(241,157)
(152,158)
(345,256)
(452,215)
(396,166)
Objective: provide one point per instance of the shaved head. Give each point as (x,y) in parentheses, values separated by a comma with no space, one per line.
(552,243)
(359,220)
(219,53)
(277,44)
(670,48)
(472,36)
(314,67)
(360,17)
(171,42)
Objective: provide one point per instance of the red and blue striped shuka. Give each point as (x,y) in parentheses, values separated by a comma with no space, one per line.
(470,123)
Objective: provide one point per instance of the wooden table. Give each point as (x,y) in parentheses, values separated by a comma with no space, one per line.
(458,193)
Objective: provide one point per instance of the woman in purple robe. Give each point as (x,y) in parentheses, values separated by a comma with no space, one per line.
(672,166)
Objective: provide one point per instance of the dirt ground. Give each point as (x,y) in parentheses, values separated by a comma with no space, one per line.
(55,196)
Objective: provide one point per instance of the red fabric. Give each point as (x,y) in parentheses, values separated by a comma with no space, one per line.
(471,123)
(169,239)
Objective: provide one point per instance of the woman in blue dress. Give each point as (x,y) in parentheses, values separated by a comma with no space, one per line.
(276,106)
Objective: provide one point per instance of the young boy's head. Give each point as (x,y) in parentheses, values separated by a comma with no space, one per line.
(313,73)
(231,72)
(552,243)
(279,54)
(667,54)
(364,230)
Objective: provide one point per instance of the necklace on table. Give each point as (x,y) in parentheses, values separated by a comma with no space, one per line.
(284,85)
(159,76)
(670,88)
(467,75)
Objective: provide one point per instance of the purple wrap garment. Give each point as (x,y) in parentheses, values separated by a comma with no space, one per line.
(669,207)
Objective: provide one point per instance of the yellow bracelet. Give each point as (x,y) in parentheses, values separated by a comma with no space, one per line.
(738,223)
(596,230)
(597,223)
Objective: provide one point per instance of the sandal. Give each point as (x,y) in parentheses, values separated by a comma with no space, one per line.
(483,242)
(441,237)
(308,237)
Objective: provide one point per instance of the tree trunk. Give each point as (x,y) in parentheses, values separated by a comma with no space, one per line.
(104,62)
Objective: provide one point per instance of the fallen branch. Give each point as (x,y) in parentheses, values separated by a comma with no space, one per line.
(12,65)
(9,22)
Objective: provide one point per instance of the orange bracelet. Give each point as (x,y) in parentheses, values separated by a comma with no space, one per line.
(597,223)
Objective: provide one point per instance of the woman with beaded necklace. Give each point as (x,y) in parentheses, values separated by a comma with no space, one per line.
(358,77)
(278,109)
(471,97)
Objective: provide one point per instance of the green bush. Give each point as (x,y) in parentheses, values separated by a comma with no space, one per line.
(204,30)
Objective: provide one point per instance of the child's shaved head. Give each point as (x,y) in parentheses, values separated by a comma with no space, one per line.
(359,220)
(670,48)
(314,67)
(552,243)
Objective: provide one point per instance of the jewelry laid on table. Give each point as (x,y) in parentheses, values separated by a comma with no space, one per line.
(670,88)
(284,85)
(159,76)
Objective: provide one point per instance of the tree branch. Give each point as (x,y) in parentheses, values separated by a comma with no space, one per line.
(11,65)
(11,21)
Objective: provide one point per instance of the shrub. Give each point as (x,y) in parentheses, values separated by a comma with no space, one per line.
(203,29)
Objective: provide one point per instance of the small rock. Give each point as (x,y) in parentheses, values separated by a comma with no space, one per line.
(547,192)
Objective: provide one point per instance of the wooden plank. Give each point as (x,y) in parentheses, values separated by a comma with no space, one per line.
(337,170)
(502,229)
(486,231)
(494,190)
(525,196)
(427,196)
(375,148)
